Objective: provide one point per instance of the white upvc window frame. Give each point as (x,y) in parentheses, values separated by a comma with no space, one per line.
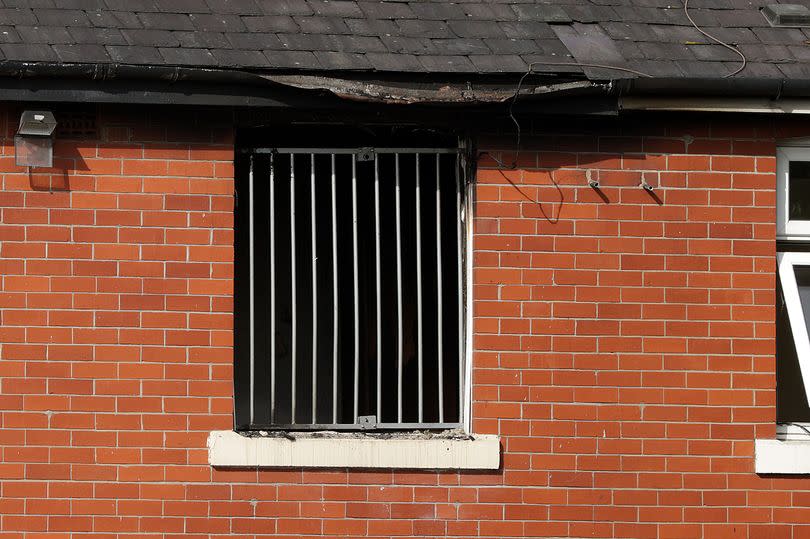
(789,453)
(787,228)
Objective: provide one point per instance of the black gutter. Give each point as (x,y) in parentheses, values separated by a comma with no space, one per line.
(106,72)
(719,87)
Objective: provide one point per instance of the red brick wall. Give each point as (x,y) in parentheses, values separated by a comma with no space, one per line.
(624,344)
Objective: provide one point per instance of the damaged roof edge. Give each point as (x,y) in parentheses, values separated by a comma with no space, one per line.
(378,91)
(349,86)
(270,89)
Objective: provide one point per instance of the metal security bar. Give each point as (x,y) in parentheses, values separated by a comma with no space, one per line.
(362,260)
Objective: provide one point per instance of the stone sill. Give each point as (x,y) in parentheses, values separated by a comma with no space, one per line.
(230,449)
(782,457)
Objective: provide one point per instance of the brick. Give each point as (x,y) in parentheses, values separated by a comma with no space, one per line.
(623,348)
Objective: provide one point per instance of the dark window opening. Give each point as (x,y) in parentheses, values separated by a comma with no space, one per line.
(312,352)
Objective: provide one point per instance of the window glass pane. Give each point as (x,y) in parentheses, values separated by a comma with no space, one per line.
(791,398)
(799,190)
(803,283)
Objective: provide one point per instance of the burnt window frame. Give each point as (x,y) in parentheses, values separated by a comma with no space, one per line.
(242,409)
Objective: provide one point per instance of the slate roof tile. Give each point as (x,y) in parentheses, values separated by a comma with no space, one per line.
(798,71)
(800,52)
(133,54)
(734,35)
(254,41)
(666,51)
(29,3)
(762,70)
(422,28)
(698,69)
(81,53)
(217,23)
(336,8)
(154,38)
(360,44)
(589,13)
(489,12)
(322,25)
(230,57)
(166,21)
(59,17)
(386,10)
(86,5)
(499,63)
(285,7)
(203,40)
(449,64)
(631,31)
(302,42)
(526,29)
(187,57)
(438,11)
(292,59)
(410,45)
(132,5)
(45,34)
(775,36)
(475,29)
(511,46)
(766,53)
(541,12)
(183,6)
(374,27)
(342,60)
(100,36)
(270,23)
(18,16)
(115,19)
(9,35)
(27,52)
(237,7)
(461,36)
(394,62)
(468,46)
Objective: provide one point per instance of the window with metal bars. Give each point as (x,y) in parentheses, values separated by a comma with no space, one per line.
(350,296)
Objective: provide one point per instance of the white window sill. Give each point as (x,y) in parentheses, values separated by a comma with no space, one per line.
(782,457)
(230,449)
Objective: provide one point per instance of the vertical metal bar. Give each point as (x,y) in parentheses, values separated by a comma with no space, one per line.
(419,289)
(356,292)
(439,286)
(251,299)
(459,264)
(379,287)
(272,213)
(399,292)
(314,289)
(334,298)
(293,285)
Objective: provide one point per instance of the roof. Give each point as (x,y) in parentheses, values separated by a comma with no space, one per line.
(632,38)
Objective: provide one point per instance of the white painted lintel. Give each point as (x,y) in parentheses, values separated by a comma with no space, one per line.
(231,449)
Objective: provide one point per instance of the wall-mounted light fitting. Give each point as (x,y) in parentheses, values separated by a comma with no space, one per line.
(33,143)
